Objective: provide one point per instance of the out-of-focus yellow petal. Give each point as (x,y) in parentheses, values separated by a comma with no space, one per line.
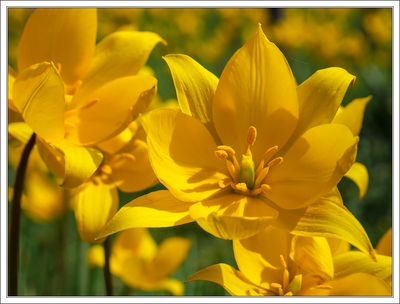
(43,199)
(171,253)
(359,284)
(72,165)
(258,257)
(64,36)
(257,89)
(320,97)
(175,287)
(156,209)
(385,243)
(10,84)
(358,173)
(20,131)
(118,55)
(233,216)
(131,169)
(181,152)
(95,256)
(355,261)
(314,164)
(313,255)
(352,115)
(38,94)
(228,277)
(94,205)
(110,109)
(195,87)
(326,218)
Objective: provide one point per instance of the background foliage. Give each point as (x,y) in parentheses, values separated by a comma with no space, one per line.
(53,260)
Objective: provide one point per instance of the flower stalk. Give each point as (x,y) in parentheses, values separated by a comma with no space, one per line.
(13,245)
(106,269)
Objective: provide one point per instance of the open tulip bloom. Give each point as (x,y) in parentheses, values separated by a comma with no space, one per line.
(250,150)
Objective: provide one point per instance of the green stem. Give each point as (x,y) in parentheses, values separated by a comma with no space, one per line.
(106,269)
(13,241)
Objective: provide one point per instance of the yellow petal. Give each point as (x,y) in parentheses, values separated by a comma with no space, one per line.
(320,97)
(385,243)
(110,110)
(359,284)
(95,256)
(228,277)
(338,246)
(352,115)
(195,87)
(313,255)
(358,173)
(118,55)
(326,218)
(72,165)
(171,254)
(258,259)
(181,152)
(257,89)
(94,205)
(175,287)
(314,164)
(233,216)
(131,171)
(64,36)
(20,131)
(10,84)
(156,209)
(38,94)
(355,261)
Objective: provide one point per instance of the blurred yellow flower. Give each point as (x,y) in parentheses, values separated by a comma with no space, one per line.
(140,263)
(248,150)
(297,266)
(87,94)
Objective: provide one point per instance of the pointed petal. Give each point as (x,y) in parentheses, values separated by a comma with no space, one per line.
(358,173)
(257,89)
(326,218)
(171,254)
(228,277)
(118,55)
(38,94)
(110,110)
(314,164)
(195,87)
(355,261)
(20,131)
(385,243)
(320,97)
(156,209)
(65,36)
(71,164)
(352,115)
(359,284)
(181,152)
(260,261)
(313,255)
(233,216)
(133,173)
(94,205)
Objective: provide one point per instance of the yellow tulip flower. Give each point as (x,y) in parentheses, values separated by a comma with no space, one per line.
(73,93)
(249,149)
(296,265)
(140,263)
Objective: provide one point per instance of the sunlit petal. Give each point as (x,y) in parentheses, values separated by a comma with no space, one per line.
(358,173)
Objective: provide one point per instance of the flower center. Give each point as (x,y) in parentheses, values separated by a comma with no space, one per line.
(246,177)
(286,287)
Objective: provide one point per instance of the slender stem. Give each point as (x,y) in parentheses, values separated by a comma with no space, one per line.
(107,274)
(13,241)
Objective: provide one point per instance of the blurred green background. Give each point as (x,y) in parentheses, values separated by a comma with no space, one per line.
(53,260)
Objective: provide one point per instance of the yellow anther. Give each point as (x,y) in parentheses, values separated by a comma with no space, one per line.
(106,169)
(276,285)
(221,154)
(283,262)
(251,136)
(223,183)
(242,187)
(231,169)
(260,177)
(324,286)
(275,161)
(285,279)
(289,294)
(228,149)
(265,188)
(269,153)
(128,156)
